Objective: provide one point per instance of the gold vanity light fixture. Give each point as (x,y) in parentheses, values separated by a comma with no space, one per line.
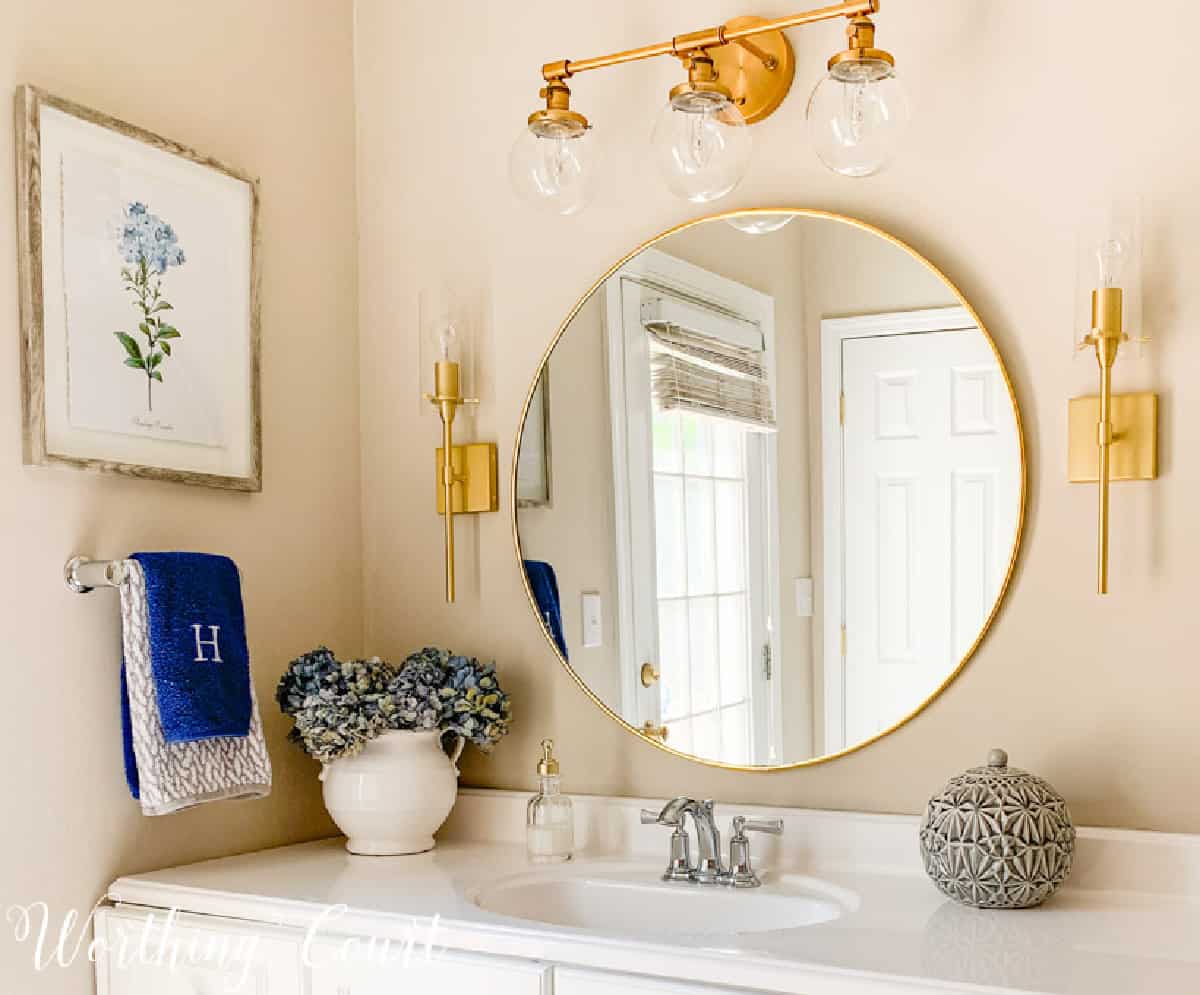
(1111,436)
(467,482)
(738,73)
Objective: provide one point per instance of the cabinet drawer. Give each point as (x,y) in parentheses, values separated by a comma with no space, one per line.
(335,971)
(149,952)
(577,981)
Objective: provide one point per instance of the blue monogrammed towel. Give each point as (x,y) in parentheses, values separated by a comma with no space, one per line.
(191,673)
(544,585)
(198,653)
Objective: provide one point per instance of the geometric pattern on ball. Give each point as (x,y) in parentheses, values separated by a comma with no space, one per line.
(997,837)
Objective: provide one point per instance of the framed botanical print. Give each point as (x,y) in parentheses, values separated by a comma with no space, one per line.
(139,278)
(533,458)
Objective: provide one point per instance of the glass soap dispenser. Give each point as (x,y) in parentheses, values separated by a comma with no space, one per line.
(550,819)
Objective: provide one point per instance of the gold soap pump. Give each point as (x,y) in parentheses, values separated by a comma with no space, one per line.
(550,817)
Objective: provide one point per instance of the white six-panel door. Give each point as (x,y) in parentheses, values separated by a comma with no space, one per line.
(931,483)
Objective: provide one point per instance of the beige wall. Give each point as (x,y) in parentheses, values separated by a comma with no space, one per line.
(1014,133)
(266,86)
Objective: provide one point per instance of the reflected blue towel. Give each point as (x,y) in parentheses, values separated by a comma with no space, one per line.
(198,653)
(545,592)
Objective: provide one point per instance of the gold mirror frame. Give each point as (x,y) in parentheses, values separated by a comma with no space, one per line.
(798,212)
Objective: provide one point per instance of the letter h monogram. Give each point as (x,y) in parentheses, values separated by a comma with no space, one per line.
(215,632)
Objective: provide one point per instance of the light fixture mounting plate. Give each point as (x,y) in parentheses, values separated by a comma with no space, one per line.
(1135,438)
(477,488)
(756,90)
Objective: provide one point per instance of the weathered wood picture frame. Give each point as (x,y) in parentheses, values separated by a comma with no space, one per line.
(533,459)
(96,253)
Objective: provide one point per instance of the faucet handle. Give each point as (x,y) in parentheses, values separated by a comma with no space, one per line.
(741,871)
(743,824)
(650,818)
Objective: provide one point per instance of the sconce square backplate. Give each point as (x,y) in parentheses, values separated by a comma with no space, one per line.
(1134,454)
(479,490)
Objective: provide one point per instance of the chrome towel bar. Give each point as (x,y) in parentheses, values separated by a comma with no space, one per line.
(84,574)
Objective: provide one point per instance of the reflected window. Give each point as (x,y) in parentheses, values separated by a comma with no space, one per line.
(701,484)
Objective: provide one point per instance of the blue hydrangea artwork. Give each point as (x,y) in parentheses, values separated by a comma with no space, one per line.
(149,247)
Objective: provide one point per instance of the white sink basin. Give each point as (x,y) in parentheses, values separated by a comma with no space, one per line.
(631,899)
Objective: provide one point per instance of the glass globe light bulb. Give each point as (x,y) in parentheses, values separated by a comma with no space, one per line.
(759,224)
(857,116)
(701,145)
(554,169)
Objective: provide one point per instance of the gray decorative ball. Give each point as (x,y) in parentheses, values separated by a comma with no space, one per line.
(997,837)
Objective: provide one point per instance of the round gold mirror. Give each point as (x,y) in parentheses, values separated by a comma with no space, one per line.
(769,487)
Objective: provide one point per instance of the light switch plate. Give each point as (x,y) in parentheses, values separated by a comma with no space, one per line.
(804,597)
(591,614)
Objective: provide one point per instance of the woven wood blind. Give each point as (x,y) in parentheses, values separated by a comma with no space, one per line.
(692,371)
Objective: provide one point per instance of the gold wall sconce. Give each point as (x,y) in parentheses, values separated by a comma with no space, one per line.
(738,73)
(467,483)
(1112,437)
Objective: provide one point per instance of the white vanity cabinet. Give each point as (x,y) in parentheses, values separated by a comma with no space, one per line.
(152,952)
(335,971)
(576,981)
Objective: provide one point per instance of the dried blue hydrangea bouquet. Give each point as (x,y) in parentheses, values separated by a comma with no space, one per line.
(340,706)
(379,732)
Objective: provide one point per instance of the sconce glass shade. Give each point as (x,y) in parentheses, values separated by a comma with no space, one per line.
(701,146)
(554,170)
(449,329)
(857,116)
(1108,257)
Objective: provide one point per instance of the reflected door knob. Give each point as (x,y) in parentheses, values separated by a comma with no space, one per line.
(649,675)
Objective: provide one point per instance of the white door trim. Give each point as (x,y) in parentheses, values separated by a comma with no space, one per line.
(834,331)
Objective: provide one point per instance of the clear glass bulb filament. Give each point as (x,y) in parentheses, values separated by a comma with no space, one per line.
(854,95)
(559,168)
(448,342)
(702,142)
(1111,257)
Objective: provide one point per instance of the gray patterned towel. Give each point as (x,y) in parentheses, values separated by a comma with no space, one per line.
(175,776)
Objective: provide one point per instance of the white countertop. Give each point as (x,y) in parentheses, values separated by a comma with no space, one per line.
(900,935)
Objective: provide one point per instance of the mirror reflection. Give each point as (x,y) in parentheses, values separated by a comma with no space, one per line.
(784,488)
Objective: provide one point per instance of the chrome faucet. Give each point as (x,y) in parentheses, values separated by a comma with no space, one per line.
(708,868)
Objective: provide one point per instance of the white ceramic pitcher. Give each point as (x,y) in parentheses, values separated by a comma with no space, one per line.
(393,796)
